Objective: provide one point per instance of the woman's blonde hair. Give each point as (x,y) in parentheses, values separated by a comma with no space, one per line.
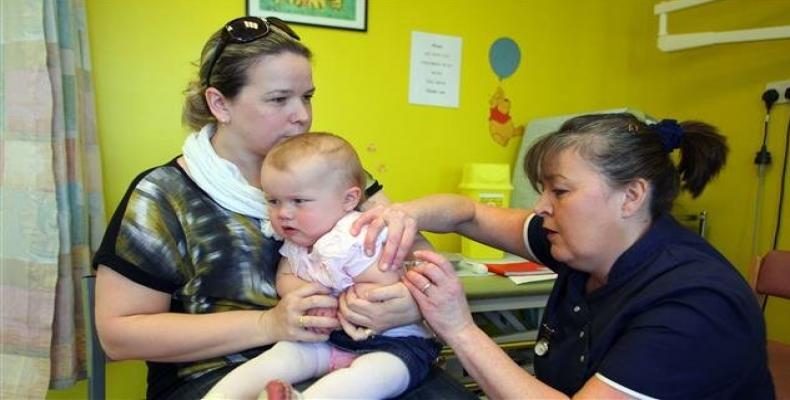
(229,74)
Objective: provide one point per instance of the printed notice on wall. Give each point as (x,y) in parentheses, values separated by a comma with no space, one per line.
(435,69)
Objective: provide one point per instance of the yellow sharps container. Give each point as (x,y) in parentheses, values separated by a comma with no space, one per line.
(488,184)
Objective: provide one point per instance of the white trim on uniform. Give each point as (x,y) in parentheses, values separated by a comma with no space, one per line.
(524,233)
(623,389)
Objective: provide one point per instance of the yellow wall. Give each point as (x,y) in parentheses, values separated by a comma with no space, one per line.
(722,85)
(576,56)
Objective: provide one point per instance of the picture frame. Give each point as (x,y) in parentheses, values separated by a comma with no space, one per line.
(340,14)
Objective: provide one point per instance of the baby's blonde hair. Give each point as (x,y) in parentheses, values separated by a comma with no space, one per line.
(336,153)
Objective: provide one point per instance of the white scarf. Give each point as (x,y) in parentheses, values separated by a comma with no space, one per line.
(222,179)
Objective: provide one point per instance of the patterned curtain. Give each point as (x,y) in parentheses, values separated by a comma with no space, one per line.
(51,203)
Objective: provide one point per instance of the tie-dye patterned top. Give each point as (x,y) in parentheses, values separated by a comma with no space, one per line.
(169,235)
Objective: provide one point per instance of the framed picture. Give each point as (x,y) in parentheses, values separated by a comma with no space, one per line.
(343,14)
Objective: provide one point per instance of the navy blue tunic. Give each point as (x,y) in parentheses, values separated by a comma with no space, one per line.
(675,320)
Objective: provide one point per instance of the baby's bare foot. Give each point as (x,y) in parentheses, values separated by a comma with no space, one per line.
(281,390)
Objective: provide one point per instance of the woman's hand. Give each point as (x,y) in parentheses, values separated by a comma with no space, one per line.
(295,317)
(401,233)
(355,332)
(378,307)
(321,312)
(439,294)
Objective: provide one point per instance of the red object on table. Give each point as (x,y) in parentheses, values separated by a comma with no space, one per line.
(519,268)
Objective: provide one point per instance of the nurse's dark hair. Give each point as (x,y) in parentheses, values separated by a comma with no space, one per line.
(229,74)
(622,148)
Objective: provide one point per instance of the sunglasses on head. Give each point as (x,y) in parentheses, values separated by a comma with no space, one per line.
(245,30)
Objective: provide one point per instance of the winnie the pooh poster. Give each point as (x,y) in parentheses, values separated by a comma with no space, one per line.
(500,123)
(504,57)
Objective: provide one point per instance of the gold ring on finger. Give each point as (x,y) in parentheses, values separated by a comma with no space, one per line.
(301,321)
(426,286)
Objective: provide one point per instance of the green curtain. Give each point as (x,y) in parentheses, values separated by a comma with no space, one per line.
(51,203)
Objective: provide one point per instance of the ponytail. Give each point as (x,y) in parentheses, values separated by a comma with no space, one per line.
(703,153)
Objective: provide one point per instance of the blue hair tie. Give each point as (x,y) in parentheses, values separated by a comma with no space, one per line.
(670,132)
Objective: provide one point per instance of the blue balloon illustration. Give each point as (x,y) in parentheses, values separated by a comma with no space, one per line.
(504,57)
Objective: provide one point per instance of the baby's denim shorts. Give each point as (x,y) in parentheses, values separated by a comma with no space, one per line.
(418,353)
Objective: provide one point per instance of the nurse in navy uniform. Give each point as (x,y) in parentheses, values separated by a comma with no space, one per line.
(642,307)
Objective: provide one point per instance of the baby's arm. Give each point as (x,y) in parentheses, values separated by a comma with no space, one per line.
(373,275)
(286,280)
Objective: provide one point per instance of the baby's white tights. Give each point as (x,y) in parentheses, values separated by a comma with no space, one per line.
(372,375)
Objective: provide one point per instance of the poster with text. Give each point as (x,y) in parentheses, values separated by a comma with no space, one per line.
(435,71)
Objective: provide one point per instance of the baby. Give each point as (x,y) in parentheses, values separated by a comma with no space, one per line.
(313,184)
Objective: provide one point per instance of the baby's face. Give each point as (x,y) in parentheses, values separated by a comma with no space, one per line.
(304,204)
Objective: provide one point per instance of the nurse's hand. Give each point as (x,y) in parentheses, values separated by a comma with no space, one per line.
(435,286)
(379,307)
(401,233)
